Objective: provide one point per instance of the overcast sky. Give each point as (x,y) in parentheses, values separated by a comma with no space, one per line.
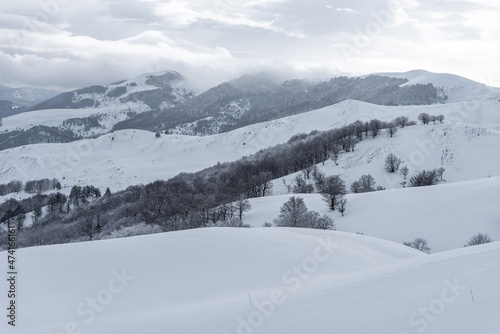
(67,44)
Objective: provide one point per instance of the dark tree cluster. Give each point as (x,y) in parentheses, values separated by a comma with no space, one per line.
(11,187)
(79,195)
(87,123)
(427,178)
(419,244)
(38,186)
(366,183)
(425,118)
(35,135)
(13,209)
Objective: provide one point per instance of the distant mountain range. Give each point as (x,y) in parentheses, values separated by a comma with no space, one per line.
(167,102)
(257,98)
(149,91)
(8,108)
(26,96)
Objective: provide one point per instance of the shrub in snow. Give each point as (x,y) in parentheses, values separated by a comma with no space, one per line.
(392,163)
(426,178)
(478,239)
(420,244)
(365,184)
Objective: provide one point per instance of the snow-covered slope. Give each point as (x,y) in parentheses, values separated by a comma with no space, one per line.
(94,110)
(26,96)
(279,281)
(132,156)
(150,90)
(457,88)
(72,119)
(445,215)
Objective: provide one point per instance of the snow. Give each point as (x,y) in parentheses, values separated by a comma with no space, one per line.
(55,118)
(446,215)
(110,110)
(126,157)
(278,280)
(203,281)
(457,88)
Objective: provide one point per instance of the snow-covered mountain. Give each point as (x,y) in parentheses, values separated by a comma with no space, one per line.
(134,156)
(26,96)
(455,87)
(257,98)
(254,280)
(8,108)
(92,111)
(166,102)
(162,89)
(258,280)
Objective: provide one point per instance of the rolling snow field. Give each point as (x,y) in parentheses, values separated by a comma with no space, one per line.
(358,279)
(118,159)
(260,280)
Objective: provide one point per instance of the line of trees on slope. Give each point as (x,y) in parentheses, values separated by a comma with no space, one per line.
(206,197)
(14,211)
(31,187)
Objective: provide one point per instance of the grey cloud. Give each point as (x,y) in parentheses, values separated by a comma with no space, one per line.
(101,41)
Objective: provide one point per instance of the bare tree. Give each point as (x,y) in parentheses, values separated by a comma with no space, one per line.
(302,186)
(424,178)
(242,205)
(375,126)
(404,171)
(392,129)
(342,205)
(401,121)
(420,244)
(292,213)
(440,118)
(440,172)
(332,189)
(424,118)
(478,239)
(366,183)
(392,163)
(321,223)
(335,152)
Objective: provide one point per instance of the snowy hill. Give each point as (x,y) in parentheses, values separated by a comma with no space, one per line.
(457,88)
(93,111)
(26,96)
(147,91)
(165,101)
(446,215)
(133,156)
(258,98)
(87,122)
(280,281)
(8,108)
